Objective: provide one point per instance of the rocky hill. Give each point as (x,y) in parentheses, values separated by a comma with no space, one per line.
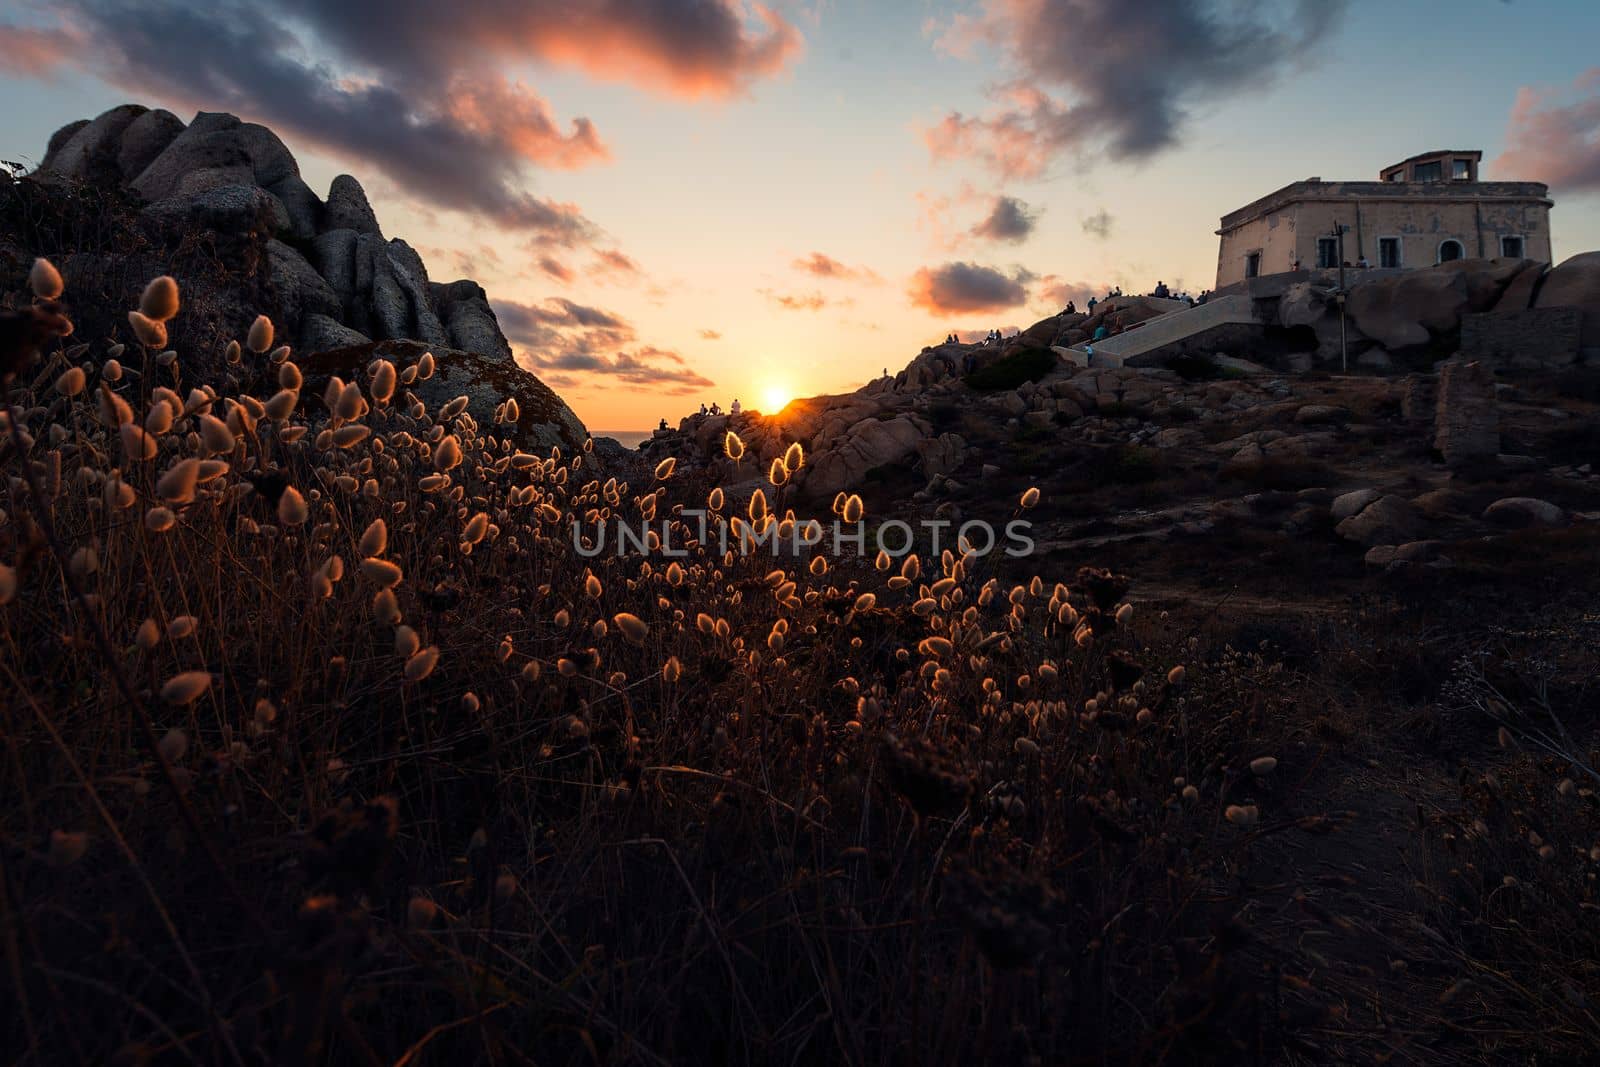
(221,205)
(951,412)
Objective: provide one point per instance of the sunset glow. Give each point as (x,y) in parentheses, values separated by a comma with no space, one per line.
(774,397)
(670,215)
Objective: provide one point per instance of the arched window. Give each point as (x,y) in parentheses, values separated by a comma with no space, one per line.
(1449,250)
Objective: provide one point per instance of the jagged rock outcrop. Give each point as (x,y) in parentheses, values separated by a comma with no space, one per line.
(1407,310)
(1307,306)
(347,208)
(942,455)
(468,318)
(322,269)
(302,291)
(868,444)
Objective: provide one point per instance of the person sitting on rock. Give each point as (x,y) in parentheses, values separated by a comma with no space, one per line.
(1072,308)
(1100,332)
(663,426)
(735,409)
(716,409)
(1161,291)
(702,408)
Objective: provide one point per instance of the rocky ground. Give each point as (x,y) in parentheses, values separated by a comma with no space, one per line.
(1360,547)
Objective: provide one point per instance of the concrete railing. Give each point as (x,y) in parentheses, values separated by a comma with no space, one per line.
(1164,330)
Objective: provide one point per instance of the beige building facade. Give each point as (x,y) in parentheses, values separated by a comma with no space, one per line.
(1424,210)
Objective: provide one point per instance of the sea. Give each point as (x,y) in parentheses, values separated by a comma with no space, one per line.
(630,439)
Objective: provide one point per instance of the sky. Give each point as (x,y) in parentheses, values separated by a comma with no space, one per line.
(675,202)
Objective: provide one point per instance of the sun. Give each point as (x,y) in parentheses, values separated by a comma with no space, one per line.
(774,397)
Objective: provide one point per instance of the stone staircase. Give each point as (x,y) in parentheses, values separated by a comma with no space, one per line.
(1156,333)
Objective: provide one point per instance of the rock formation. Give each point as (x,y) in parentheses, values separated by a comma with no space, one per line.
(321,268)
(1575,283)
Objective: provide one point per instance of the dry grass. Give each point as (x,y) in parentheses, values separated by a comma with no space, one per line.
(324,743)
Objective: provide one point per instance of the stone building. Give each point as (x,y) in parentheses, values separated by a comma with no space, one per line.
(1421,211)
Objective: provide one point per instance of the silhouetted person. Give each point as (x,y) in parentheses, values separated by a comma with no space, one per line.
(1072,308)
(1161,290)
(1092,303)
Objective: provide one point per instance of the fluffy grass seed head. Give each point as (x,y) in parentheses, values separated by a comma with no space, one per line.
(185,688)
(150,333)
(259,339)
(159,301)
(45,280)
(72,382)
(633,629)
(381,572)
(375,538)
(292,509)
(421,665)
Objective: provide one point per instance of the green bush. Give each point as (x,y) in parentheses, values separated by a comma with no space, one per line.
(1028,365)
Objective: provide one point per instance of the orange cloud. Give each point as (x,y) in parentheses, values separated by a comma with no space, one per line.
(698,49)
(819,265)
(32,52)
(496,111)
(1552,142)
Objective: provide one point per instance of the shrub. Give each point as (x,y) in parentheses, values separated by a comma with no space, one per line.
(1009,372)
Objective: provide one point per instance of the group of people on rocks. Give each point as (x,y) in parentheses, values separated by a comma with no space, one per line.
(716,409)
(991,338)
(1161,291)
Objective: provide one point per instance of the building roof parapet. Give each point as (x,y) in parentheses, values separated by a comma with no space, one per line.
(1301,191)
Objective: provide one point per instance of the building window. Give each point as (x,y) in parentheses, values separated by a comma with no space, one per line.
(1252,265)
(1428,172)
(1389,252)
(1460,169)
(1450,250)
(1511,247)
(1327,252)
(1397,175)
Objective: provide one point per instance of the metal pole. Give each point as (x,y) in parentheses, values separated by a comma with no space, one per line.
(1344,348)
